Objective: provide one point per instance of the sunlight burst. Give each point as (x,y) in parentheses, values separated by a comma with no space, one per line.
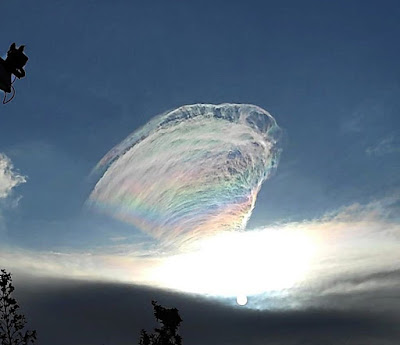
(241,300)
(239,263)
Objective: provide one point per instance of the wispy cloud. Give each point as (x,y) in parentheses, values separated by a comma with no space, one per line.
(363,116)
(9,180)
(9,177)
(390,144)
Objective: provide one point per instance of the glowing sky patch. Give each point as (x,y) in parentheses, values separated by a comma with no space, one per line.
(190,172)
(288,265)
(240,263)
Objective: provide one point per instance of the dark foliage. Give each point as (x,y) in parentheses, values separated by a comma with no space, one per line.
(12,323)
(167,334)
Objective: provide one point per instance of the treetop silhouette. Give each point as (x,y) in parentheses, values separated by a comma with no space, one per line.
(12,323)
(167,334)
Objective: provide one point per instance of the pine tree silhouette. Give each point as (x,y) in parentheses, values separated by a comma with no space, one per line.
(167,334)
(12,323)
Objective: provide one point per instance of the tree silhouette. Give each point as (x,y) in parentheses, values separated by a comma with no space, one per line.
(167,334)
(12,324)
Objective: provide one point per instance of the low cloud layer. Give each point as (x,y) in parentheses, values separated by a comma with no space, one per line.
(204,321)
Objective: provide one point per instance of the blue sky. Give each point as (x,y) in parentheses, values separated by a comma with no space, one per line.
(327,71)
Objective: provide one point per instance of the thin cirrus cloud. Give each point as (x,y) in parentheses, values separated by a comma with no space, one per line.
(384,146)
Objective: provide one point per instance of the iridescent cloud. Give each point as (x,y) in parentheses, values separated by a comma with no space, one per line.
(190,172)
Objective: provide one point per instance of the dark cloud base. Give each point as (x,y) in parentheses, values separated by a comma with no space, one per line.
(67,312)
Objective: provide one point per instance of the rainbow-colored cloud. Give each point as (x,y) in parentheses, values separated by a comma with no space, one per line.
(190,172)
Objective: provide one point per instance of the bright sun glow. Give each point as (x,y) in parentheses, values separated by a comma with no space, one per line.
(239,263)
(241,300)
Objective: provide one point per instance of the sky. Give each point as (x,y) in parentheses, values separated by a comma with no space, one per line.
(319,253)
